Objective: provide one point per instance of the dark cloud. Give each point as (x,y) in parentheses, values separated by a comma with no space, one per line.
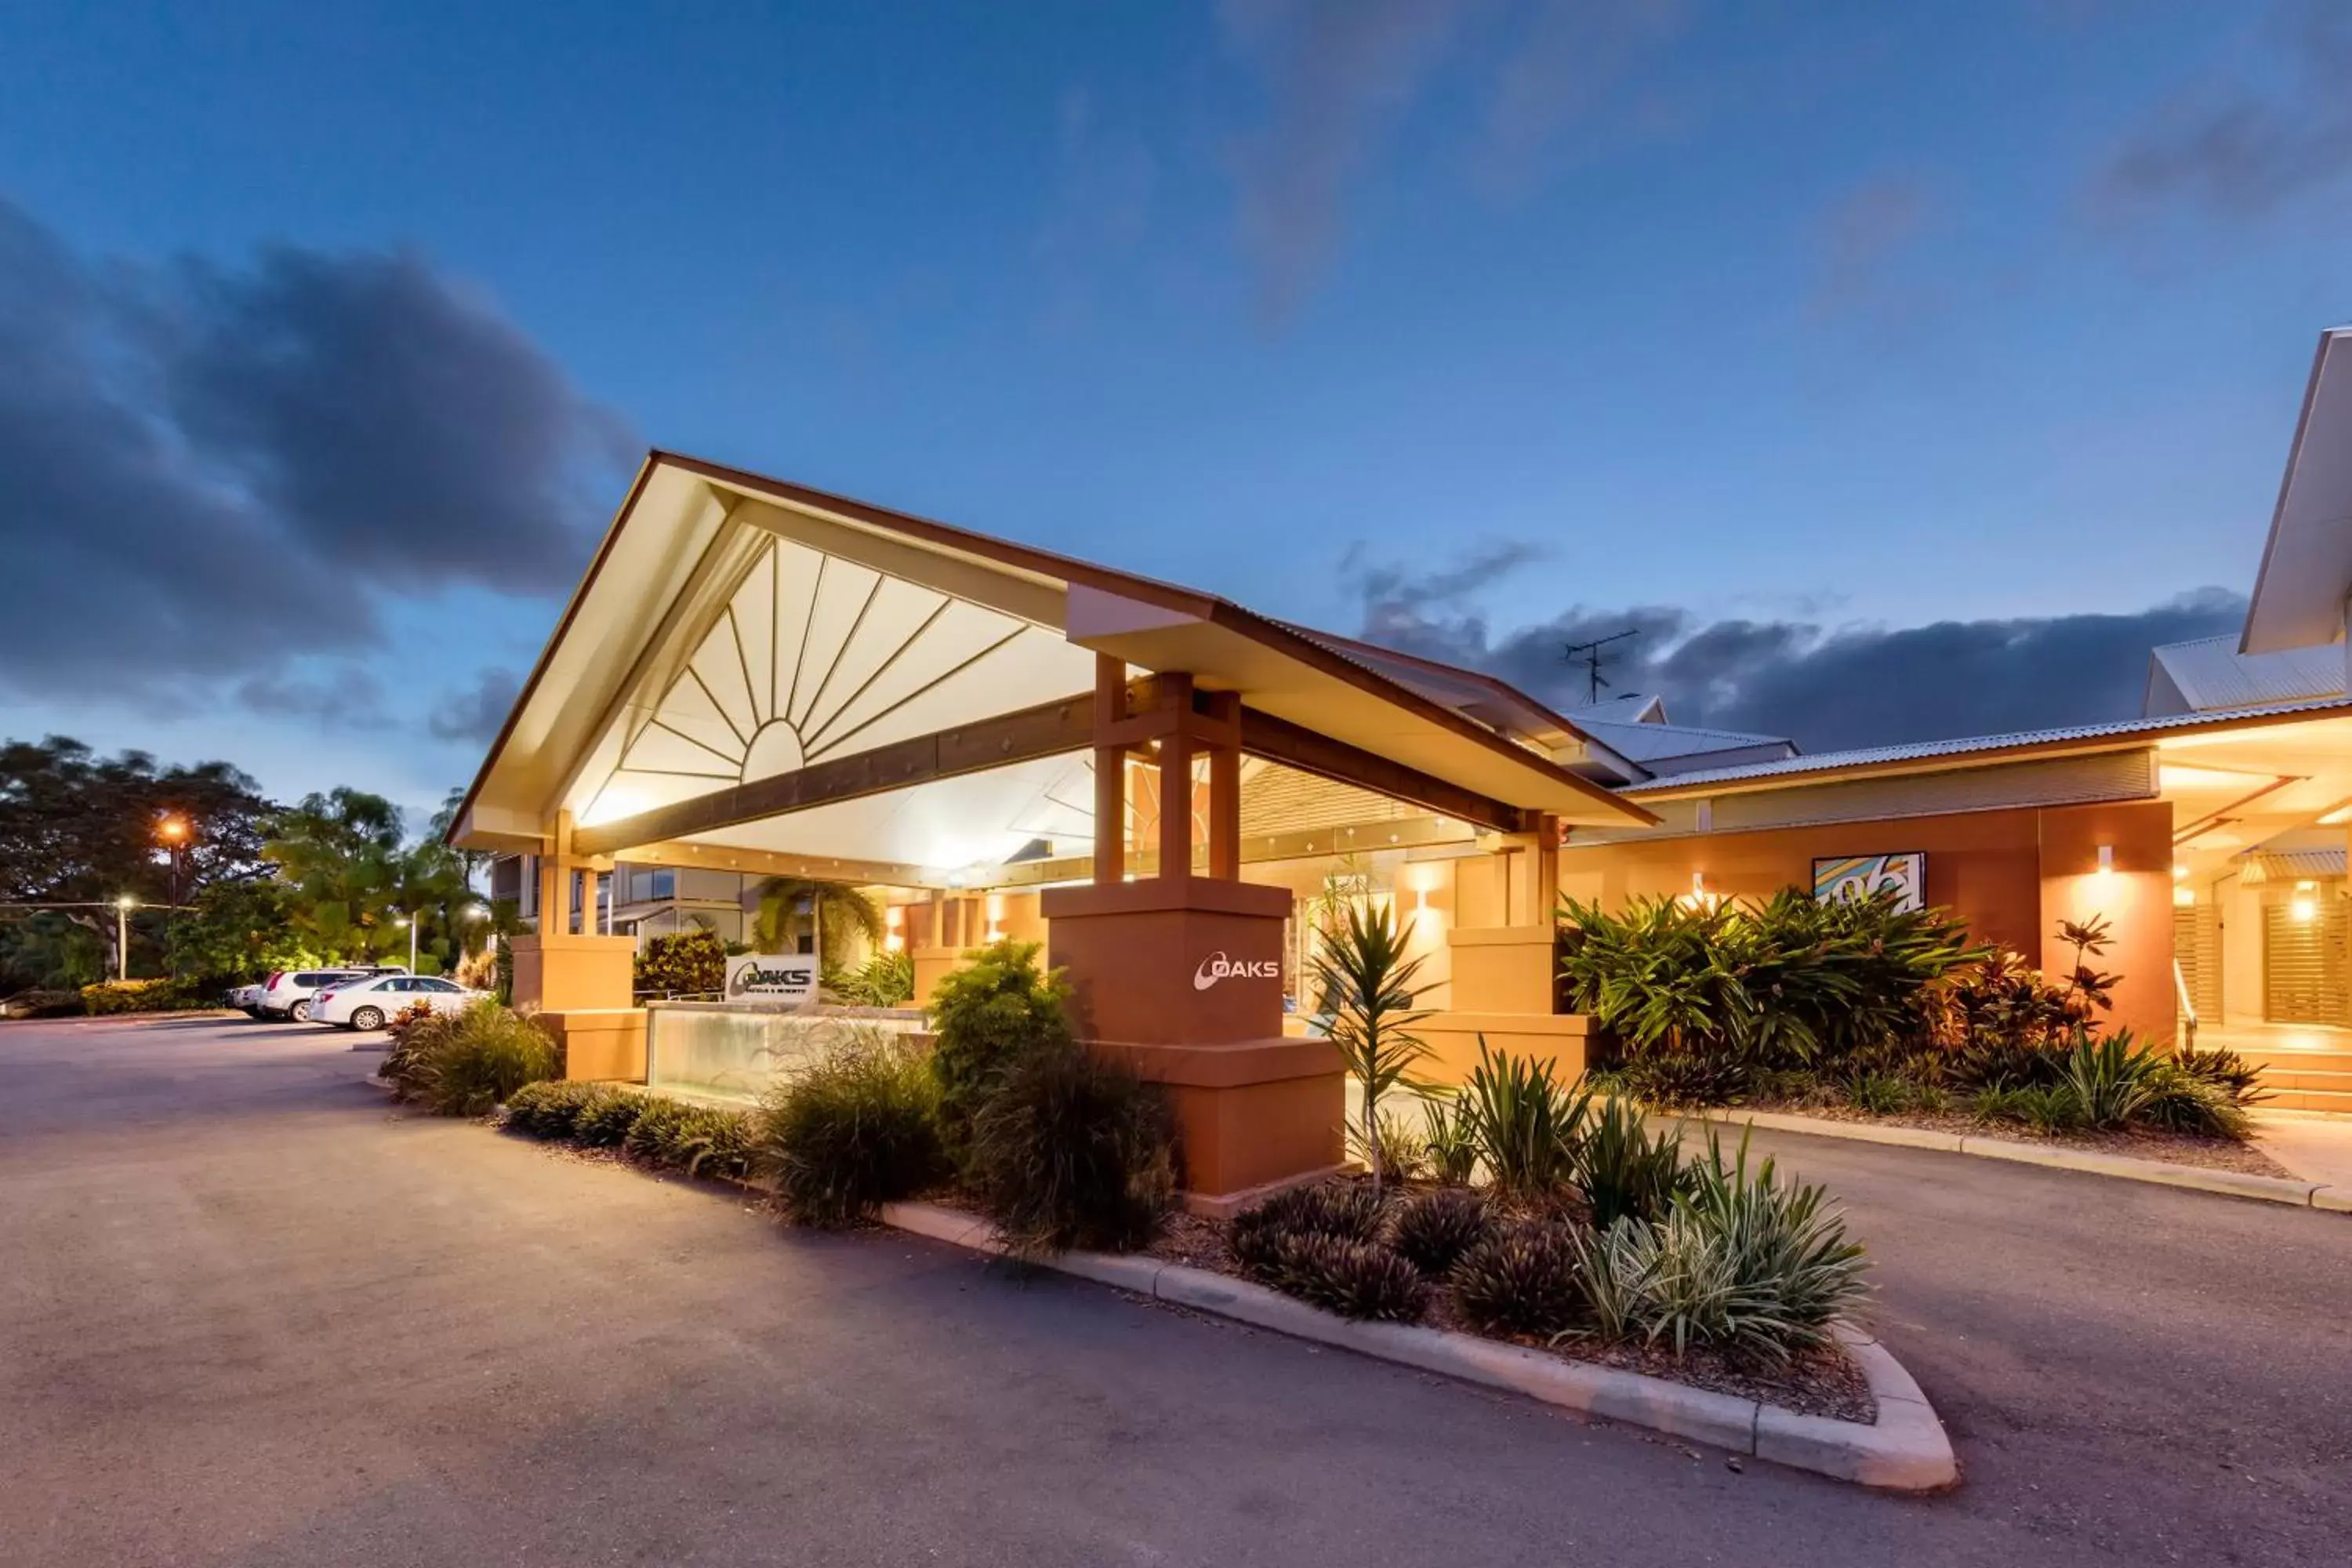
(476,713)
(2245,147)
(193,454)
(349,697)
(1827,688)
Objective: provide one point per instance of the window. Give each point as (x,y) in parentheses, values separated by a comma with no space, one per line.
(318,979)
(433,985)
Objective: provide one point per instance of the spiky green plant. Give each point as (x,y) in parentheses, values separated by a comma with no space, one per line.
(1367,977)
(1453,1144)
(1624,1169)
(1072,1151)
(2111,1077)
(1348,1209)
(1524,1122)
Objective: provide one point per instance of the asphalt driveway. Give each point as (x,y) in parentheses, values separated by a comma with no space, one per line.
(249,1315)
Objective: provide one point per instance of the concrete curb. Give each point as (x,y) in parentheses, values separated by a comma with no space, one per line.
(1905,1451)
(2286,1190)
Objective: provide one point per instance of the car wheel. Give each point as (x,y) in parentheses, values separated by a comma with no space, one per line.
(368,1018)
(300,1012)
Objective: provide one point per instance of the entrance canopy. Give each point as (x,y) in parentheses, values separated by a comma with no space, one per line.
(756,674)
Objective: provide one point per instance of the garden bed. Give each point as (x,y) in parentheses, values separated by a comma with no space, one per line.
(1825,1383)
(2137,1144)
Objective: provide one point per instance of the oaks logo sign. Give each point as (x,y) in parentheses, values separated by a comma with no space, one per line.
(1217,966)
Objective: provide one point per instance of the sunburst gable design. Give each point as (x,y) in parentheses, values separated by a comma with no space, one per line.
(815,657)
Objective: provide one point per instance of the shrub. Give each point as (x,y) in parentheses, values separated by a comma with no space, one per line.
(682,963)
(1677,1079)
(2110,1078)
(607,1120)
(1347,1209)
(548,1108)
(1878,1093)
(2225,1071)
(700,1139)
(1613,1271)
(1523,1281)
(1072,1151)
(988,1015)
(1524,1124)
(163,995)
(1623,1170)
(857,1129)
(2178,1101)
(1452,1143)
(1761,1266)
(1399,1154)
(464,1064)
(884,980)
(1793,981)
(1354,1278)
(1433,1230)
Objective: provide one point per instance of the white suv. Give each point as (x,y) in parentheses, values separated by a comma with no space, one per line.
(287,994)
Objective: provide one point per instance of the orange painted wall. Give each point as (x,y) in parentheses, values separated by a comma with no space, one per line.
(2009,874)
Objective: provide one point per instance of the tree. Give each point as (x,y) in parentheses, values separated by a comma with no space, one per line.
(845,917)
(1369,982)
(80,829)
(240,930)
(340,852)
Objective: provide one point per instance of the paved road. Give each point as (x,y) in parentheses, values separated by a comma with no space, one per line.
(250,1316)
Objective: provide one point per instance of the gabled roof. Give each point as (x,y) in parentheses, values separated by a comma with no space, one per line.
(1658,746)
(2210,673)
(1633,708)
(669,664)
(2307,572)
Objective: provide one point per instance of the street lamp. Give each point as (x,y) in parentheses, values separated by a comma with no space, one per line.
(410,921)
(122,937)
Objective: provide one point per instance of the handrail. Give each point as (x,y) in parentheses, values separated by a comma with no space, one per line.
(2180,989)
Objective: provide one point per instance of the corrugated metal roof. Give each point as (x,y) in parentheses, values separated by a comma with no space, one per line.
(1633,708)
(2289,865)
(1872,757)
(2211,673)
(1651,742)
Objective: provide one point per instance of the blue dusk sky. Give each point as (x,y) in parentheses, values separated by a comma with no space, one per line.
(1898,371)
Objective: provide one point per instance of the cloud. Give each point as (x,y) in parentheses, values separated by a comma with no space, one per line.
(2240,146)
(1339,74)
(1826,687)
(349,698)
(476,713)
(1864,234)
(195,454)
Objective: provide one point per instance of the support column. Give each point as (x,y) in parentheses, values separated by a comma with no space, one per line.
(1180,974)
(1225,795)
(1176,780)
(580,983)
(1110,770)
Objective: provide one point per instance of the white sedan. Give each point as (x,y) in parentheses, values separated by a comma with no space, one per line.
(369,1002)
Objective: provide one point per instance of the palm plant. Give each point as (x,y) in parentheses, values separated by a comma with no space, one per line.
(840,915)
(1369,981)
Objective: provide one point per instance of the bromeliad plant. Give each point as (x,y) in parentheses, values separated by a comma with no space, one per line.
(1368,980)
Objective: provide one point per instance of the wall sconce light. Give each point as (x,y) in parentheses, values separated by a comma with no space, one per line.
(2180,872)
(2184,898)
(2303,911)
(2106,860)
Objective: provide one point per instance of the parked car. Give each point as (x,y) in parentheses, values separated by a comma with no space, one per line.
(246,999)
(369,1002)
(287,994)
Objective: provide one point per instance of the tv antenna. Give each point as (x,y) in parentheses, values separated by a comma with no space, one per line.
(1590,652)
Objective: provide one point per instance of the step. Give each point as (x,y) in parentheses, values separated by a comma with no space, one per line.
(2281,1059)
(2285,1078)
(2310,1099)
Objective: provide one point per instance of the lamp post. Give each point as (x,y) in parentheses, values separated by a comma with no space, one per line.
(174,831)
(410,921)
(123,938)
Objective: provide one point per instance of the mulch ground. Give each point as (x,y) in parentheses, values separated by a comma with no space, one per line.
(2178,1148)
